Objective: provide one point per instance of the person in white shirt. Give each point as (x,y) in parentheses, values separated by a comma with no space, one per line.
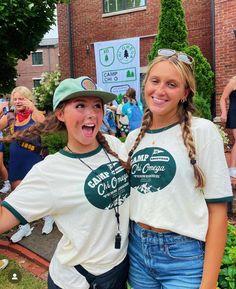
(84,187)
(179,184)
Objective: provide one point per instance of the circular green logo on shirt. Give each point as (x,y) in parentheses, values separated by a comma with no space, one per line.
(107,186)
(152,170)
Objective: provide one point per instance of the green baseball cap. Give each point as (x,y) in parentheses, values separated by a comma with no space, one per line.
(82,86)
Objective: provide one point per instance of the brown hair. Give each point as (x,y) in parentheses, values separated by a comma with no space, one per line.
(185,111)
(131,93)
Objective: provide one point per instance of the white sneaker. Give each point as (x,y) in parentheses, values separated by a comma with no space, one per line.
(6,187)
(3,263)
(48,225)
(24,231)
(232,172)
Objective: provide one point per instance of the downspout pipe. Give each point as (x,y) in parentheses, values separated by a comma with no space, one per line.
(70,41)
(213,33)
(213,99)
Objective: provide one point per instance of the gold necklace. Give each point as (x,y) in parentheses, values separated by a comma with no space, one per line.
(154,132)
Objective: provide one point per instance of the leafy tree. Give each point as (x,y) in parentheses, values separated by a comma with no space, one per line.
(172,33)
(44,92)
(22,26)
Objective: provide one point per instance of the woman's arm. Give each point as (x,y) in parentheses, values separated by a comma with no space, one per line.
(37,115)
(3,118)
(7,220)
(215,244)
(3,122)
(223,101)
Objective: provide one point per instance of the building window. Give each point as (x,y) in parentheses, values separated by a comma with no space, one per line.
(37,58)
(36,82)
(110,6)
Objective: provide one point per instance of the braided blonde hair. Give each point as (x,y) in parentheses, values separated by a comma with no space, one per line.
(52,124)
(185,111)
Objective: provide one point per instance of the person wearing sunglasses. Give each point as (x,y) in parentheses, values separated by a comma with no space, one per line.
(84,187)
(228,117)
(179,184)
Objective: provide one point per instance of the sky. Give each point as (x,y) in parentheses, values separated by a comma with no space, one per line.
(53,32)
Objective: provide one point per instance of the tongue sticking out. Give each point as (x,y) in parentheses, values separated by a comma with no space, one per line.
(88,131)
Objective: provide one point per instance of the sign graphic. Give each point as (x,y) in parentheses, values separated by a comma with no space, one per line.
(118,65)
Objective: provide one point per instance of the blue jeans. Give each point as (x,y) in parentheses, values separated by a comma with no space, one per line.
(164,260)
(51,284)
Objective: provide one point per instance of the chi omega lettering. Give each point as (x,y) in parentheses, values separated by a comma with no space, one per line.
(152,170)
(107,186)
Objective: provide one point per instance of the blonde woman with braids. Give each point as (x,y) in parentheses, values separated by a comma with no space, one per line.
(179,185)
(84,187)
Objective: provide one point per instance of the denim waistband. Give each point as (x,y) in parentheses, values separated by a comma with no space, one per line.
(166,237)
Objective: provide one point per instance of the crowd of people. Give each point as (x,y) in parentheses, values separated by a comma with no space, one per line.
(151,211)
(123,118)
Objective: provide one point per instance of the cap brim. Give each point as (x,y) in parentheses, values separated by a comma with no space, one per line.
(103,95)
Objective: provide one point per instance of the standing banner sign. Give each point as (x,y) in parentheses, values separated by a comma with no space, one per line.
(118,66)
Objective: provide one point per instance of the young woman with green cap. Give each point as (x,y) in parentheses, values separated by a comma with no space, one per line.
(84,187)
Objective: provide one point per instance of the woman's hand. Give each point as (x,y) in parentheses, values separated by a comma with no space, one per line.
(28,104)
(223,117)
(2,105)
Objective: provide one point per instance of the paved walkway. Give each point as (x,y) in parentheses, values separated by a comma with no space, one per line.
(43,245)
(33,252)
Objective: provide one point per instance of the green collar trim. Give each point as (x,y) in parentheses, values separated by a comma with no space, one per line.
(152,131)
(80,156)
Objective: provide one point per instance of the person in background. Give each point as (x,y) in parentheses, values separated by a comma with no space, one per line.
(3,170)
(179,184)
(23,153)
(84,186)
(109,123)
(122,121)
(133,109)
(6,188)
(3,263)
(229,117)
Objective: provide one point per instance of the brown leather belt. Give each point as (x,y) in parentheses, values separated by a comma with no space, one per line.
(158,230)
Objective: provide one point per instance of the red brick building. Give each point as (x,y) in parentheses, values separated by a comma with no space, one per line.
(44,59)
(211,26)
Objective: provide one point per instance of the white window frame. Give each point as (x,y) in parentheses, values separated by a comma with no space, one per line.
(128,10)
(34,52)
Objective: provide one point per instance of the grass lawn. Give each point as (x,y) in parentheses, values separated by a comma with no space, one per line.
(28,281)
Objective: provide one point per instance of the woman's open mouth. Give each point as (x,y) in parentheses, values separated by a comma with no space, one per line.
(88,129)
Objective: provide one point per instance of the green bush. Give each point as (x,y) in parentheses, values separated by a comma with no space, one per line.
(204,78)
(227,276)
(172,33)
(54,141)
(44,92)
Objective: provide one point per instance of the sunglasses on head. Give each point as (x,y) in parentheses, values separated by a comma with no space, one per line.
(180,55)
